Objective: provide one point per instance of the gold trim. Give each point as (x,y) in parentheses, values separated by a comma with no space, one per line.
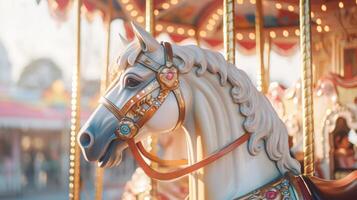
(306,80)
(296,187)
(259,41)
(150,27)
(181,105)
(281,186)
(229,30)
(149,17)
(74,163)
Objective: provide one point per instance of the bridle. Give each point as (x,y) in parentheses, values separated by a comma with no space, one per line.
(142,106)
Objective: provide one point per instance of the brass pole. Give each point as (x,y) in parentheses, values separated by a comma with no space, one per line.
(105,75)
(259,42)
(197,37)
(103,86)
(229,30)
(74,163)
(307,98)
(267,48)
(150,27)
(150,19)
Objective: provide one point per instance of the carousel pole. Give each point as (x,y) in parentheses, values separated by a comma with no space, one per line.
(259,41)
(197,37)
(150,19)
(103,86)
(150,27)
(307,98)
(74,164)
(229,30)
(105,81)
(267,48)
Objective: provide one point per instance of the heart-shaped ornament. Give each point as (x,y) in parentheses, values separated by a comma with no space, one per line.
(168,77)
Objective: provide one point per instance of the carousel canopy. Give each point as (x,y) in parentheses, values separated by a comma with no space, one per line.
(202,19)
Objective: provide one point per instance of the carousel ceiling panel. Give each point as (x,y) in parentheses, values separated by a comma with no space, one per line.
(202,19)
(187,12)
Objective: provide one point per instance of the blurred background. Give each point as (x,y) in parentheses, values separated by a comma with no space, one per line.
(37,56)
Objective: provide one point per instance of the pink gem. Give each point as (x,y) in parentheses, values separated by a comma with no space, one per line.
(169,75)
(271,194)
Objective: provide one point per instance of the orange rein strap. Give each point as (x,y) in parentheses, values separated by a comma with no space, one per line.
(135,149)
(165,163)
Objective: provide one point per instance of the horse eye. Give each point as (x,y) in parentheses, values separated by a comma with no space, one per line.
(132,82)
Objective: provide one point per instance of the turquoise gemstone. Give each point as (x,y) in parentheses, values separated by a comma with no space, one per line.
(125,129)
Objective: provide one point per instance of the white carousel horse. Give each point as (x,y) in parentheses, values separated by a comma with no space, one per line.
(194,91)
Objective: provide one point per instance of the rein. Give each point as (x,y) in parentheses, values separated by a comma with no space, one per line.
(142,106)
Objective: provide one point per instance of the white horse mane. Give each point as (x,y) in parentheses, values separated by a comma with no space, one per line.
(260,118)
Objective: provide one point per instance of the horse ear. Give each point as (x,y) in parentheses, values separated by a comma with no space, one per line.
(146,41)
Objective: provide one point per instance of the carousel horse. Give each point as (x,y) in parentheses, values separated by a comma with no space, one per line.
(170,89)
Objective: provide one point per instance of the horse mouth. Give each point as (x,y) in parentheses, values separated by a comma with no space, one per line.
(111,157)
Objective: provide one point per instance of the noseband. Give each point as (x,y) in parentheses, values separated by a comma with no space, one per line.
(141,107)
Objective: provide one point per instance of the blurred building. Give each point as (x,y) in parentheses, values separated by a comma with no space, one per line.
(34,117)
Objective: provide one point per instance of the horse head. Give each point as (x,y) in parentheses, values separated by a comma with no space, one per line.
(97,138)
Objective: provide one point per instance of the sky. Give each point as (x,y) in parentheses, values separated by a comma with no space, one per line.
(28,32)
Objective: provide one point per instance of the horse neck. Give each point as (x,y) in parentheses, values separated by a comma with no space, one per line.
(210,128)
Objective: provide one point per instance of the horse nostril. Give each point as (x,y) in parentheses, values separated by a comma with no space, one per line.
(86,139)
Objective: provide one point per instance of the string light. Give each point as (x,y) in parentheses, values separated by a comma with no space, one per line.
(129,7)
(125,1)
(319,29)
(191,32)
(278,6)
(170,29)
(203,33)
(323,7)
(312,14)
(215,16)
(165,6)
(272,34)
(291,8)
(326,28)
(134,13)
(140,19)
(212,22)
(173,2)
(239,36)
(297,32)
(318,21)
(340,4)
(159,27)
(240,1)
(251,36)
(156,12)
(252,1)
(180,31)
(285,33)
